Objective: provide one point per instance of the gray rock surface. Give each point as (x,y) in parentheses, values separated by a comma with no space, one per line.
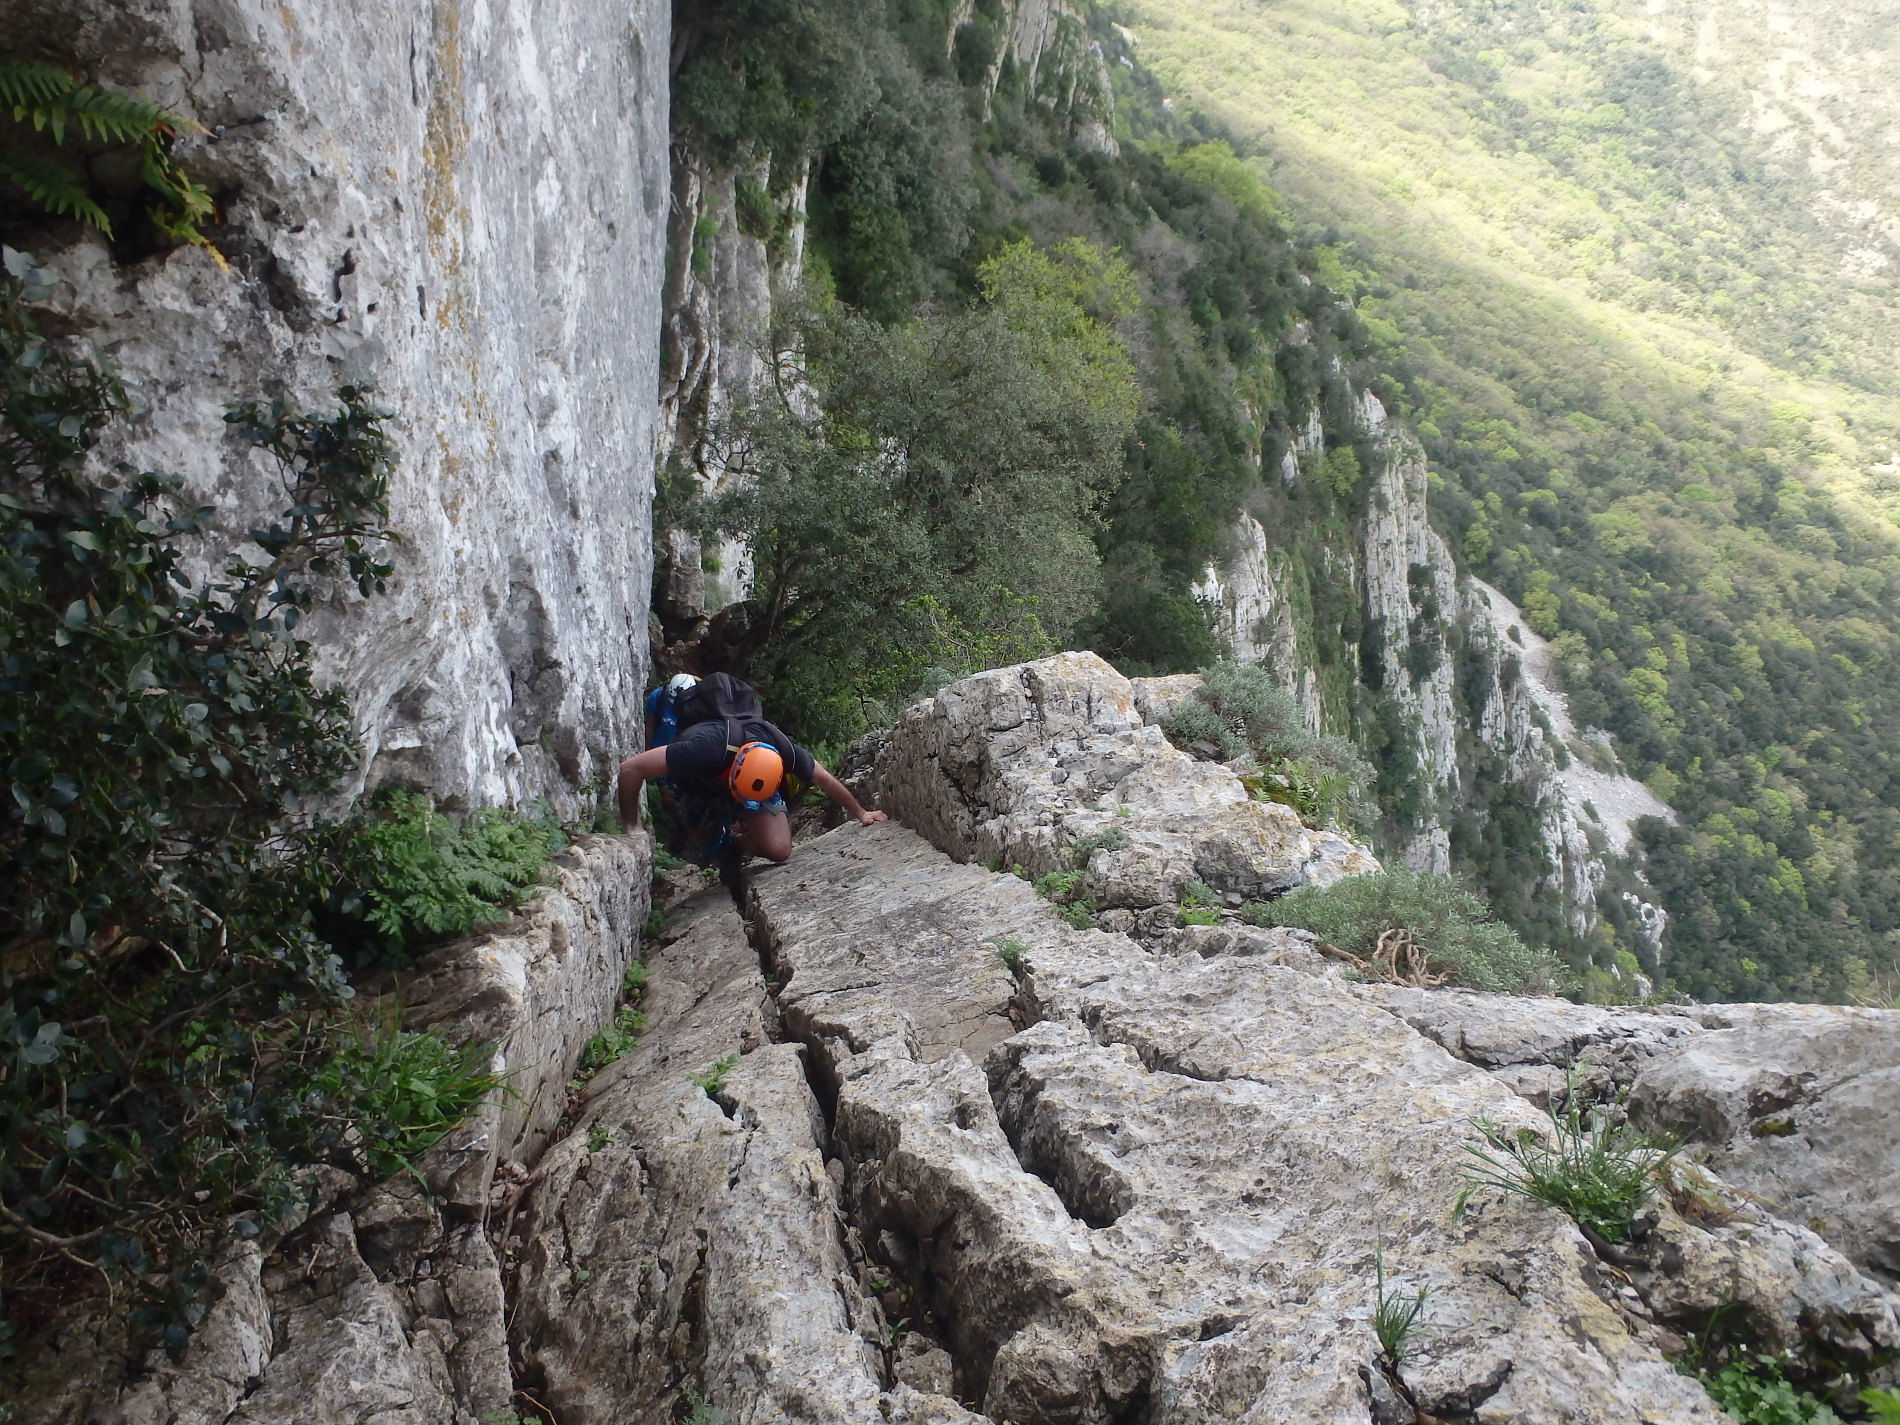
(686,1237)
(1164,1192)
(463,205)
(1016,765)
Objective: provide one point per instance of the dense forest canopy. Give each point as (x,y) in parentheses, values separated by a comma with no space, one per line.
(1634,274)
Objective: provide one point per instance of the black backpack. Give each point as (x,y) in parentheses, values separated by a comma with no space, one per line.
(720,697)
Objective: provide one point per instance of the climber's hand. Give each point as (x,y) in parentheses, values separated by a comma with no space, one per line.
(870,818)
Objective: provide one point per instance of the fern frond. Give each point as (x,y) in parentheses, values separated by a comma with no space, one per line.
(119,118)
(25,85)
(55,188)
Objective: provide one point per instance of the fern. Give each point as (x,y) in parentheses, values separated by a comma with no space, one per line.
(52,103)
(55,187)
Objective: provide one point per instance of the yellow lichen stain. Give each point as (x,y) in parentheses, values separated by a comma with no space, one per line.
(445,133)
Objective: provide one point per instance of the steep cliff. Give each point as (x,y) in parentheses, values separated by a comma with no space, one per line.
(1475,693)
(462,206)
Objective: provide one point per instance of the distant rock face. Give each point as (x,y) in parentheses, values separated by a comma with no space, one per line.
(1417,606)
(1020,766)
(464,206)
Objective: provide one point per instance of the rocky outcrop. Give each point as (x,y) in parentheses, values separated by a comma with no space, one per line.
(1050,765)
(386,1301)
(416,196)
(1131,1181)
(1425,625)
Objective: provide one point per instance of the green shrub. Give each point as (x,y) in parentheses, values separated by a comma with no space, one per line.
(1239,709)
(1413,926)
(403,1090)
(411,874)
(1079,914)
(166,1004)
(1112,839)
(714,1079)
(1883,1406)
(1597,1170)
(1010,951)
(1058,886)
(1754,1391)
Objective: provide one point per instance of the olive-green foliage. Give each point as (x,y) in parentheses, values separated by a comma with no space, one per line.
(1010,951)
(935,512)
(714,1078)
(171,1042)
(1447,922)
(621,1037)
(412,874)
(403,1090)
(1083,847)
(1754,1391)
(1394,1316)
(1661,415)
(1883,1406)
(1240,709)
(1597,1169)
(44,112)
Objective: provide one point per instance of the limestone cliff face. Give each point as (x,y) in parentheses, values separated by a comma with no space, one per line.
(1422,617)
(462,205)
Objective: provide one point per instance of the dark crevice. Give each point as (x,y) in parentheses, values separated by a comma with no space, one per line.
(889,1265)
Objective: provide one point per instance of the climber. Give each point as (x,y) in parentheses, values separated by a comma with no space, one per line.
(725,771)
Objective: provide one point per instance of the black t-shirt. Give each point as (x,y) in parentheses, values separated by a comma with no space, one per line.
(697,757)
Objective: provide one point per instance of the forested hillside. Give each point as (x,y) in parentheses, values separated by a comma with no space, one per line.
(1631,267)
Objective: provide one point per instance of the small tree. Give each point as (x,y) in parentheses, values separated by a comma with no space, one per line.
(926,503)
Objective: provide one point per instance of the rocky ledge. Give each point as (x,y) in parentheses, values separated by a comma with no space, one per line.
(902,1143)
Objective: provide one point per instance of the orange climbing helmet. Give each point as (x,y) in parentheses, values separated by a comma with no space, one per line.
(755,772)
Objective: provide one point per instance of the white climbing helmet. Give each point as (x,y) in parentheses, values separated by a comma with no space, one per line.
(680,682)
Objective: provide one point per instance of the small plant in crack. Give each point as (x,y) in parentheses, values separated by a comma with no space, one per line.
(1597,1169)
(714,1079)
(1394,1317)
(598,1137)
(1010,951)
(699,1411)
(1111,839)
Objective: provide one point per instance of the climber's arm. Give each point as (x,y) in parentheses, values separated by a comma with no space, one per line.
(841,794)
(634,773)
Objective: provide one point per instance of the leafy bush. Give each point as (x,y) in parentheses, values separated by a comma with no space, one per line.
(1010,951)
(403,1089)
(1597,1170)
(1754,1391)
(1112,839)
(410,874)
(1417,927)
(1240,710)
(621,1037)
(714,1078)
(171,1042)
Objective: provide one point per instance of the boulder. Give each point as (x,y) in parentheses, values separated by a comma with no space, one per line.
(1047,764)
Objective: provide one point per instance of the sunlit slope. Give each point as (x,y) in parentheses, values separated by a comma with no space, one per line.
(1556,173)
(1633,265)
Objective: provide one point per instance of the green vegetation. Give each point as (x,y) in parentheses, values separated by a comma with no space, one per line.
(1239,711)
(1083,847)
(1883,1406)
(1596,1169)
(1413,927)
(935,510)
(1062,889)
(174,1037)
(1648,360)
(1754,1391)
(621,1037)
(44,112)
(713,1080)
(1394,1318)
(408,874)
(1010,951)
